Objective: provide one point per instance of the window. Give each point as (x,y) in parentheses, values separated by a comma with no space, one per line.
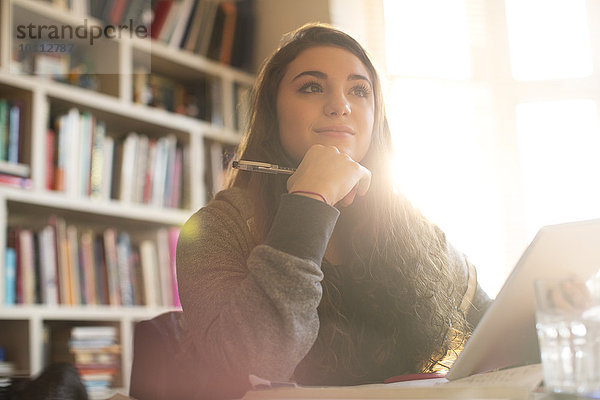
(430,38)
(549,39)
(559,143)
(494,110)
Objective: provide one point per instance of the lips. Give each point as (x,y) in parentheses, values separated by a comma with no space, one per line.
(335,130)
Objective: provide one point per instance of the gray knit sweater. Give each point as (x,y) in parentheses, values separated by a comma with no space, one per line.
(251,308)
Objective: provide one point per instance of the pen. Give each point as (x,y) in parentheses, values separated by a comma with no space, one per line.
(255,166)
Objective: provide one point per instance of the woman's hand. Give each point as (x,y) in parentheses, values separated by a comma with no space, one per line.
(327,171)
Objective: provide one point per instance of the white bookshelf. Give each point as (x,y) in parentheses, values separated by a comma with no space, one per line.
(22,327)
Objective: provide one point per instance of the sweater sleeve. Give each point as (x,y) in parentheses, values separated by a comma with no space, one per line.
(252,311)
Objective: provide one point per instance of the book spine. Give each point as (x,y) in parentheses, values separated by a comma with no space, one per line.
(179,31)
(149,178)
(117,12)
(101,272)
(63,264)
(97,167)
(124,266)
(175,200)
(107,174)
(10,276)
(49,284)
(137,279)
(28,269)
(61,153)
(169,26)
(150,273)
(74,266)
(194,26)
(87,262)
(140,168)
(16,181)
(230,11)
(161,11)
(112,268)
(72,165)
(50,146)
(86,124)
(160,170)
(3,129)
(13,134)
(128,165)
(169,181)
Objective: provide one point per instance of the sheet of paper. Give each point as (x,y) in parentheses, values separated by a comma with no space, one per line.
(529,376)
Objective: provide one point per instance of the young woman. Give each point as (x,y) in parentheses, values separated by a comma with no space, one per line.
(328,276)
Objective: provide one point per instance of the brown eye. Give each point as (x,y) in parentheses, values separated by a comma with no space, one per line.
(360,91)
(311,87)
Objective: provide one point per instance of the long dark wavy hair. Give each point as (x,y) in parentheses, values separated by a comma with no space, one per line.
(399,281)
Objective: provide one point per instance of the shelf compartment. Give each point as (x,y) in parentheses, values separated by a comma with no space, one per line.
(94,261)
(24,98)
(163,55)
(58,347)
(94,65)
(14,338)
(178,88)
(144,155)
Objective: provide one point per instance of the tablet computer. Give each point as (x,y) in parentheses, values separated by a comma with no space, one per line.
(506,335)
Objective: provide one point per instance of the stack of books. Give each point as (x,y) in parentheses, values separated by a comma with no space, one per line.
(97,357)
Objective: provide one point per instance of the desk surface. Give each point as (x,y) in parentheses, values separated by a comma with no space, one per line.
(512,384)
(438,392)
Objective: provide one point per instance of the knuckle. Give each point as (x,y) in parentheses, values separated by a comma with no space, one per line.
(333,150)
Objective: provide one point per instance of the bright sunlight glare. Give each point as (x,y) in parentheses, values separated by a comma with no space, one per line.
(427,38)
(443,165)
(456,161)
(558,144)
(549,39)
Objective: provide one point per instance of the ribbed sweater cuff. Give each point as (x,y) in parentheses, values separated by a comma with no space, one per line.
(302,227)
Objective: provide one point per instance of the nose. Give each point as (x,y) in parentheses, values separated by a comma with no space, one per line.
(337,105)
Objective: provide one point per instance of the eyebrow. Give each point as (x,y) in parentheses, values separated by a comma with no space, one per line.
(322,75)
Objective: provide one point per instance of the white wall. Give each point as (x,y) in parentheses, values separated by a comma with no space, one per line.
(276,17)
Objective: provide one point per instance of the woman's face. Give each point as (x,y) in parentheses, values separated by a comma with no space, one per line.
(326,97)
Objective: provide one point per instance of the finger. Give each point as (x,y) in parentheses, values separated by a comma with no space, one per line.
(365,182)
(290,182)
(349,198)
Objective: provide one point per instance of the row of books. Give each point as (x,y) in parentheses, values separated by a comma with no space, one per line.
(96,355)
(10,131)
(199,99)
(221,30)
(84,160)
(70,265)
(73,68)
